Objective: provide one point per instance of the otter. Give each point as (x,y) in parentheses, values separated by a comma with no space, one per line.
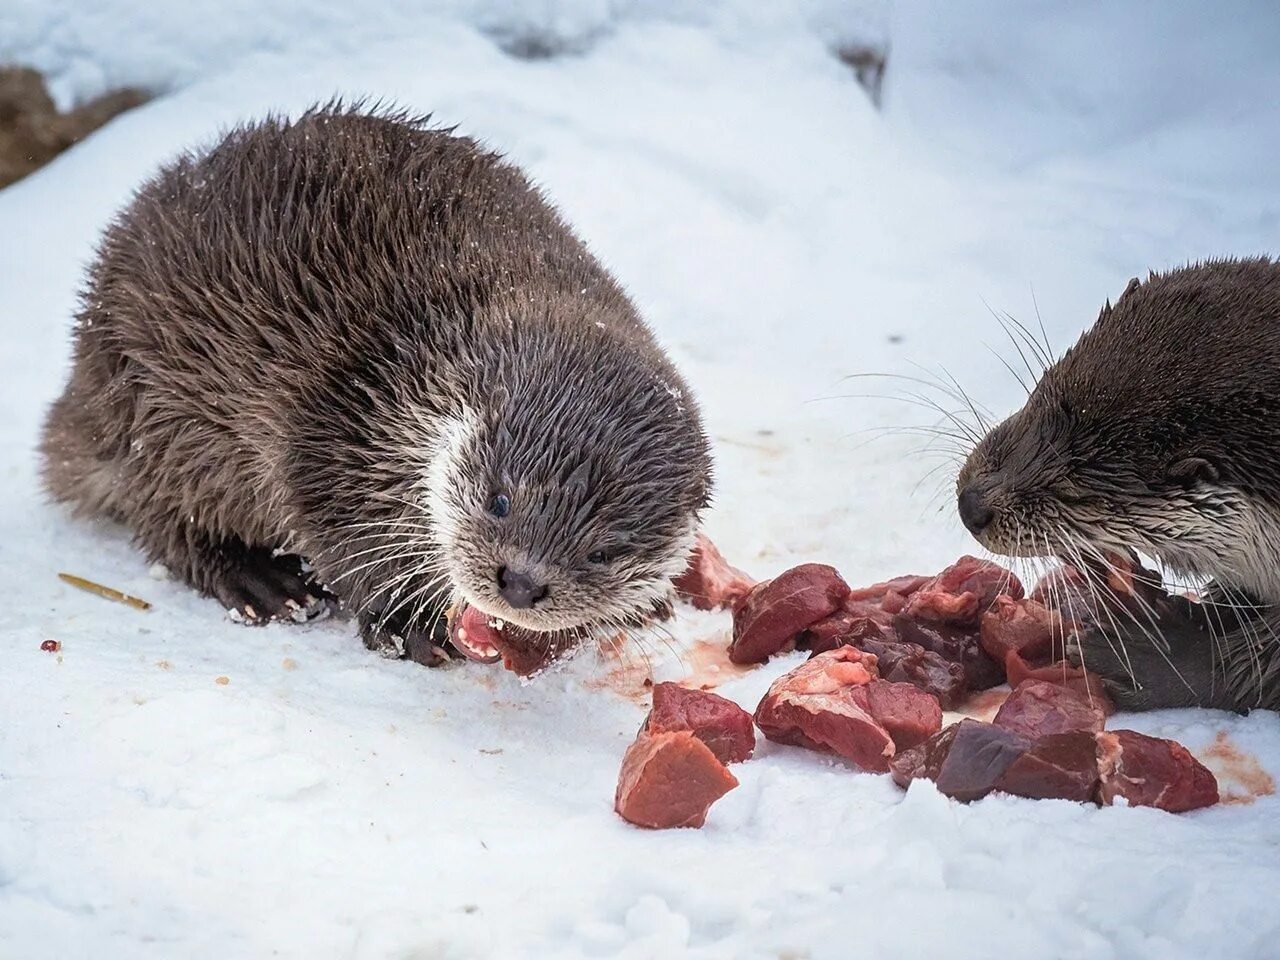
(357,359)
(1158,432)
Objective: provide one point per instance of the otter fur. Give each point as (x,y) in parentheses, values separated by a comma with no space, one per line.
(358,354)
(1159,431)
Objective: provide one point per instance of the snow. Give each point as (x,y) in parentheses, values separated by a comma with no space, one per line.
(780,235)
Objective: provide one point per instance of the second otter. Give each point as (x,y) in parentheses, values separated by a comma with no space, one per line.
(1159,431)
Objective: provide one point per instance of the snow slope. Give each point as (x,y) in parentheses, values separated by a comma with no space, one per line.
(780,235)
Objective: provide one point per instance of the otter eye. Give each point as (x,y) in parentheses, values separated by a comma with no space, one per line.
(500,505)
(1193,470)
(599,556)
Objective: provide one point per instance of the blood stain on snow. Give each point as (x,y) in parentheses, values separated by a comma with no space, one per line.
(709,665)
(1241,779)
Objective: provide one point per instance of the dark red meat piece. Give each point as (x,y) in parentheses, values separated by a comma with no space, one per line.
(954,644)
(775,612)
(910,715)
(966,760)
(719,723)
(817,705)
(50,646)
(901,587)
(912,663)
(1038,709)
(960,594)
(1150,772)
(1062,674)
(670,780)
(1062,766)
(841,628)
(710,582)
(1022,625)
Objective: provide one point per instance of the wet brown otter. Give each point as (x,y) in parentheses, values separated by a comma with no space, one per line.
(1159,431)
(353,352)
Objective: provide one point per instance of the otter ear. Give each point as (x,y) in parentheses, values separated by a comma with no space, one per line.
(1189,470)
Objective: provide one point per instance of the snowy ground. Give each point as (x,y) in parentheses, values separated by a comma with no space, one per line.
(780,235)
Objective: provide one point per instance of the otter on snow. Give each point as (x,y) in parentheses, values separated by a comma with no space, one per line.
(1159,431)
(355,353)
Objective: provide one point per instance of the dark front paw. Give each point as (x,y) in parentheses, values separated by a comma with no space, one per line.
(258,586)
(398,638)
(1142,673)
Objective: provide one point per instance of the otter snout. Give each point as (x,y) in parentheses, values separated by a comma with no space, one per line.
(975,513)
(518,589)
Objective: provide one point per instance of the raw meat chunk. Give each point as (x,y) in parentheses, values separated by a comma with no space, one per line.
(912,663)
(842,627)
(1038,709)
(719,723)
(670,780)
(960,594)
(1150,772)
(1022,625)
(966,760)
(1062,674)
(910,715)
(954,644)
(816,706)
(901,587)
(1062,766)
(775,612)
(710,582)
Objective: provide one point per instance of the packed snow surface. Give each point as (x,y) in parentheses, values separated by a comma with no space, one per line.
(175,785)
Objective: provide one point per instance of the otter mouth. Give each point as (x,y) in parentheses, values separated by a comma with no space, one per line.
(473,632)
(488,639)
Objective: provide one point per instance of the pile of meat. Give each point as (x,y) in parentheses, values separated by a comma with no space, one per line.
(885,662)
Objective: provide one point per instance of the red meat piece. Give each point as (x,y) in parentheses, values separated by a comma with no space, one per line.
(775,612)
(670,780)
(954,644)
(960,594)
(966,760)
(910,715)
(1022,625)
(841,628)
(1062,674)
(1038,709)
(912,663)
(1062,766)
(710,582)
(719,723)
(902,586)
(1150,772)
(816,706)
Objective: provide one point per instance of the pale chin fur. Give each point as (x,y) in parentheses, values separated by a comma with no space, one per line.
(1235,548)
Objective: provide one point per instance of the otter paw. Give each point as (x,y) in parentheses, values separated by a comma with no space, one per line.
(1139,674)
(260,587)
(398,639)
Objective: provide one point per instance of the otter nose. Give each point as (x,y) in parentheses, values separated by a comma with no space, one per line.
(519,589)
(974,512)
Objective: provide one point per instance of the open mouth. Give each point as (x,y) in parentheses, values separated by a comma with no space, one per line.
(484,638)
(474,633)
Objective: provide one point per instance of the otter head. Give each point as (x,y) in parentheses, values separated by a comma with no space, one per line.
(567,494)
(1155,432)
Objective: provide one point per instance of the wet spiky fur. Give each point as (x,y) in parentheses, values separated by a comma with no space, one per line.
(339,337)
(1160,431)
